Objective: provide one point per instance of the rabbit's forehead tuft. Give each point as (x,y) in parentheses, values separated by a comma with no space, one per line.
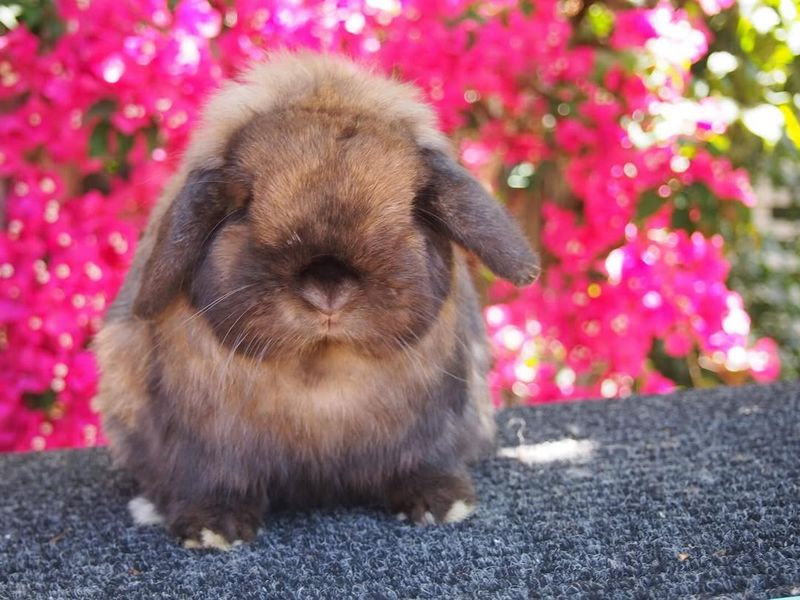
(339,169)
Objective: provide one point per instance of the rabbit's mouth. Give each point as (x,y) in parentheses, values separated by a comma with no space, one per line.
(332,326)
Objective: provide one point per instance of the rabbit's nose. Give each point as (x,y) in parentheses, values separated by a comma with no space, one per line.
(327,284)
(326,299)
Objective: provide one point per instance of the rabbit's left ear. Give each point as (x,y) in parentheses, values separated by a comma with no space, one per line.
(455,203)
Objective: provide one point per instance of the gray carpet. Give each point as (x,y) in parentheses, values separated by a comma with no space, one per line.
(694,494)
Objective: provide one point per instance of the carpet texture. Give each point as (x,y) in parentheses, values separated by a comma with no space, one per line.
(693,494)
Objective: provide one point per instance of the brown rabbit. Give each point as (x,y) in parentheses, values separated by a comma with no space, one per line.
(299,326)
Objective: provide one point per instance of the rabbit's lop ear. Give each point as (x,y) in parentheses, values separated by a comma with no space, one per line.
(191,217)
(455,203)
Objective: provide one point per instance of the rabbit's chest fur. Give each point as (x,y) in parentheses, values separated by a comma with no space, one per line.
(308,405)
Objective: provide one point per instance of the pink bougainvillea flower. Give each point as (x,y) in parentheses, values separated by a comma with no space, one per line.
(764,361)
(94,121)
(632,28)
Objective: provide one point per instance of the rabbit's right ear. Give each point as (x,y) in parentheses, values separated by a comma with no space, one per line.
(194,213)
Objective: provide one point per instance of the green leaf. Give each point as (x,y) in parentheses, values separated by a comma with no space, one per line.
(124,145)
(601,20)
(41,18)
(720,143)
(102,108)
(151,137)
(792,125)
(98,140)
(680,220)
(648,205)
(41,401)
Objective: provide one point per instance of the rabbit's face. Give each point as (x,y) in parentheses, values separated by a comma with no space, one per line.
(319,227)
(323,242)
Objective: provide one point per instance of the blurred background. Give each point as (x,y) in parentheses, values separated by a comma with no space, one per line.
(650,149)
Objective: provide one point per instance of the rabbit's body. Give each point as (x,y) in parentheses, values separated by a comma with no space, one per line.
(295,330)
(321,428)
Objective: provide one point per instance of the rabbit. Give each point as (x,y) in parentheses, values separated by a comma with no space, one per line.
(299,327)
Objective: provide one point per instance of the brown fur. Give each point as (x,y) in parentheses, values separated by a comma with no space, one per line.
(122,389)
(320,403)
(226,386)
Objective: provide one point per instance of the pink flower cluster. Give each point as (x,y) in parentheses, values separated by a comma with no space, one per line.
(621,276)
(91,124)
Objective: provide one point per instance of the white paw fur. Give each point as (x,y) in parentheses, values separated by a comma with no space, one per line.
(144,512)
(211,540)
(459,511)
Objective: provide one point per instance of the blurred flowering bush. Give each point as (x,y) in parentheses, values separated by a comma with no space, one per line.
(581,116)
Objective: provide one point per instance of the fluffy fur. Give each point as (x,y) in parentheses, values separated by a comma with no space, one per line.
(298,326)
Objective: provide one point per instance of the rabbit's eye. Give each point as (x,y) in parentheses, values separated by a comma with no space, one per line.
(423,208)
(234,216)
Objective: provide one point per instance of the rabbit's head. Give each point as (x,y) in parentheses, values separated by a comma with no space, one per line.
(319,223)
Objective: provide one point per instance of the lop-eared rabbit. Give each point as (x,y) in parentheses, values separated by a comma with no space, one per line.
(299,327)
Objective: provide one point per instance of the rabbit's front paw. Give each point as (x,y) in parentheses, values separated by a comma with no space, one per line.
(430,498)
(218,528)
